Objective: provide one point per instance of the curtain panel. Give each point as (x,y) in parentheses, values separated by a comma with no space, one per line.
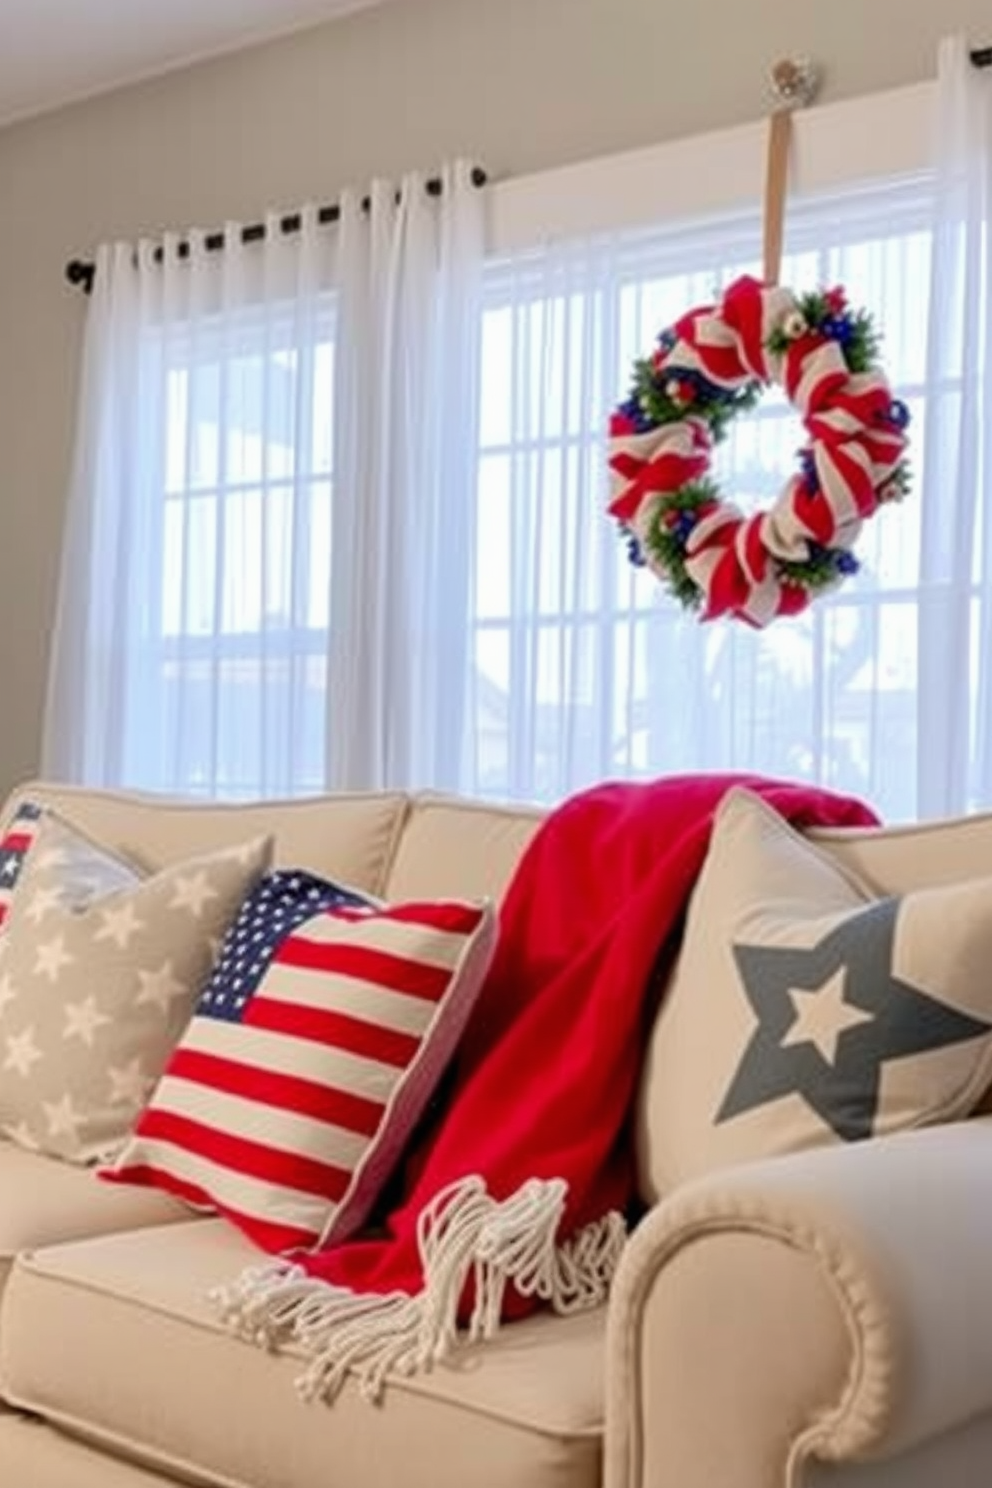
(955,489)
(264,584)
(406,418)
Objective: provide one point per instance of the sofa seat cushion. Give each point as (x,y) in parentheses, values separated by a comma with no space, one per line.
(32,1455)
(44,1201)
(116,1338)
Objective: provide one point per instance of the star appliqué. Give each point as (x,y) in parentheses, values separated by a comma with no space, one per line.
(129,1086)
(83,1020)
(823,1015)
(63,1118)
(22,1053)
(119,925)
(51,958)
(831,1055)
(193,892)
(161,987)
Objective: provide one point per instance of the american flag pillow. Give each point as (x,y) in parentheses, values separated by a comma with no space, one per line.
(313,1051)
(15,844)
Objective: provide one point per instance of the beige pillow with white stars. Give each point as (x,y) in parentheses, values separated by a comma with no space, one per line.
(100,968)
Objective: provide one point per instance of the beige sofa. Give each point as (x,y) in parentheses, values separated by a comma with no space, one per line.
(822,1321)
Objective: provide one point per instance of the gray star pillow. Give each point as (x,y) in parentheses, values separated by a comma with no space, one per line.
(100,968)
(806,1010)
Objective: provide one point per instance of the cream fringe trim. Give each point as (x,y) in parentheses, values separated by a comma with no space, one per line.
(463,1233)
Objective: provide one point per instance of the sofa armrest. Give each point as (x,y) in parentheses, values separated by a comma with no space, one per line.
(835,1304)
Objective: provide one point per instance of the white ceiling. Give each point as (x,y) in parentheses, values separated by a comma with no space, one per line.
(55,51)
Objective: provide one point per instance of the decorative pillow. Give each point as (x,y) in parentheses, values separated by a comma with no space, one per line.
(100,967)
(15,844)
(313,1052)
(804,1010)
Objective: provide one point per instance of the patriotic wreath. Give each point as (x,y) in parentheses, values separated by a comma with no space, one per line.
(713,365)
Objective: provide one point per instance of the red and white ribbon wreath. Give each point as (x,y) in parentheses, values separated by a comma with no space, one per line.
(745,566)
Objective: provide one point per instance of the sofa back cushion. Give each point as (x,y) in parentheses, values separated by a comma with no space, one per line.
(889,861)
(454,848)
(922,856)
(350,838)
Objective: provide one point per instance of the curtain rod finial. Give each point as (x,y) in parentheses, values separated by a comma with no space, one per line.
(80,274)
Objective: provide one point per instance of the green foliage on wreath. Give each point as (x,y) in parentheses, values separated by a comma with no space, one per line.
(854,331)
(819,571)
(666,546)
(717,407)
(901,479)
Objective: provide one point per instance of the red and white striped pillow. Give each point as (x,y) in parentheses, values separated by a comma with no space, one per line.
(313,1052)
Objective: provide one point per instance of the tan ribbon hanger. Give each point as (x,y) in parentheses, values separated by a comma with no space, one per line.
(794,83)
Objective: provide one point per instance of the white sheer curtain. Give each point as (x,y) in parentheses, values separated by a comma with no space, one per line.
(263,587)
(955,617)
(189,649)
(584,668)
(408,360)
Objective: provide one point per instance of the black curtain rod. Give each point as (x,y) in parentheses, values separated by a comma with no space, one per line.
(81,273)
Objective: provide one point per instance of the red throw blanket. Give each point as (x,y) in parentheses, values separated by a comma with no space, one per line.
(544,1080)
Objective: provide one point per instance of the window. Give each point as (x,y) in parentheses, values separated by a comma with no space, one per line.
(580,667)
(229,682)
(583,669)
(217,638)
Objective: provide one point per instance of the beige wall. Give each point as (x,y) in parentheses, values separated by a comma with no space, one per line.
(520,84)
